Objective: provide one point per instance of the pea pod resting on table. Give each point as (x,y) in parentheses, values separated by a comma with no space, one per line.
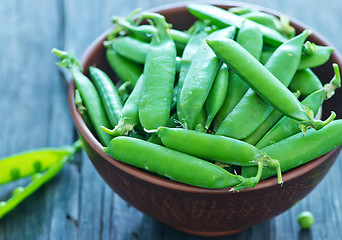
(264,82)
(41,164)
(250,38)
(89,95)
(301,148)
(218,148)
(288,54)
(199,79)
(286,126)
(175,165)
(158,77)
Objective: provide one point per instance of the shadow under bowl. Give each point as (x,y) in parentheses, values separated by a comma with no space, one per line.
(194,210)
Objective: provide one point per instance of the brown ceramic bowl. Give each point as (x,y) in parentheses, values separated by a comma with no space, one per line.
(195,210)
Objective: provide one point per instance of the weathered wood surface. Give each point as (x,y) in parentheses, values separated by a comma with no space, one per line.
(34,113)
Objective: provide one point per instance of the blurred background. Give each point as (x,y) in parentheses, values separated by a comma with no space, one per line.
(34,113)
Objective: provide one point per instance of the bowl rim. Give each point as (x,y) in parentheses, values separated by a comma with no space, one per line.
(170,184)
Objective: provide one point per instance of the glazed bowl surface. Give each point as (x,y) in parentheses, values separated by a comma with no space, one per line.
(199,211)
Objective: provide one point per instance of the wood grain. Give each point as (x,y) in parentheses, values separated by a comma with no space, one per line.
(77,204)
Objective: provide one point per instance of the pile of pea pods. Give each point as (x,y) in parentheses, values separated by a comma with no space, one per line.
(226,103)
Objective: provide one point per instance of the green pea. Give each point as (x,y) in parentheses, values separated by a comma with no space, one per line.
(306,219)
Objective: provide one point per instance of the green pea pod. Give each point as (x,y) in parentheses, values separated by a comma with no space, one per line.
(223,18)
(195,42)
(124,91)
(301,148)
(199,79)
(158,77)
(288,54)
(83,111)
(28,163)
(250,38)
(287,126)
(144,32)
(216,148)
(262,18)
(129,117)
(50,160)
(216,95)
(131,48)
(264,82)
(147,156)
(89,94)
(108,94)
(320,55)
(126,70)
(241,10)
(269,122)
(305,81)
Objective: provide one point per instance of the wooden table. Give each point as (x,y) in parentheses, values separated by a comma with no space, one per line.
(77,204)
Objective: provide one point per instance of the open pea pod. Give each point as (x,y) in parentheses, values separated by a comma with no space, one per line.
(41,164)
(27,163)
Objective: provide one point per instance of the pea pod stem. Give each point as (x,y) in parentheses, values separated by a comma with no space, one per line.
(38,179)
